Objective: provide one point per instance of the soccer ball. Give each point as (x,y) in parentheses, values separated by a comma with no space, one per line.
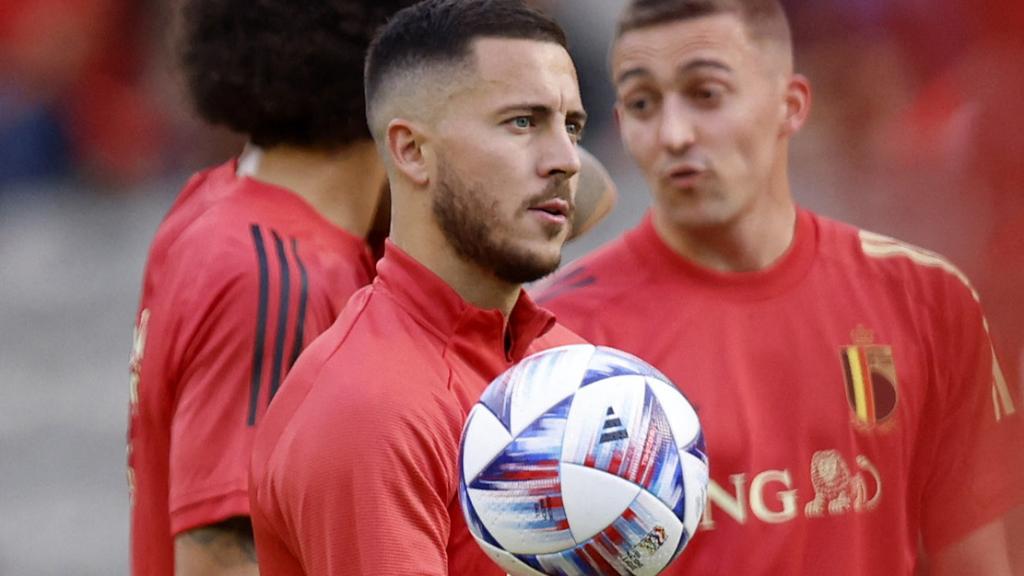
(582,460)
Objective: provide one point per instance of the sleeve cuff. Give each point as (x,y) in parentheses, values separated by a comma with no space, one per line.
(210,510)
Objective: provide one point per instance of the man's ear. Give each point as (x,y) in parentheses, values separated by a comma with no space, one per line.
(797,104)
(405,140)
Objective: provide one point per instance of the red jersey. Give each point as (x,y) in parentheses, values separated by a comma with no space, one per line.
(848,395)
(241,275)
(354,470)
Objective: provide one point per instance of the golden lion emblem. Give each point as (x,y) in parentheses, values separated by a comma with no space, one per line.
(835,488)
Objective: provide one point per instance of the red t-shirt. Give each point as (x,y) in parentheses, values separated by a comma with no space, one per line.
(847,395)
(241,275)
(354,470)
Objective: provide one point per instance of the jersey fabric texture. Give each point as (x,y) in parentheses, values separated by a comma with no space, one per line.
(240,277)
(355,470)
(848,395)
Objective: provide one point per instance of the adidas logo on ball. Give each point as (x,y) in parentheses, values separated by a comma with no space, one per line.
(613,429)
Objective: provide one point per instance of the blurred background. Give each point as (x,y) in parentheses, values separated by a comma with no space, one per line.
(916,131)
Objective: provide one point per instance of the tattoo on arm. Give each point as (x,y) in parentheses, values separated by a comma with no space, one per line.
(228,543)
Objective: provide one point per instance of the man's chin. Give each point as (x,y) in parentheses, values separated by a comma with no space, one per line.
(523,268)
(699,216)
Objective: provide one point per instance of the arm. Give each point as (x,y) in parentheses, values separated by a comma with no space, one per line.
(974,476)
(363,482)
(982,553)
(217,403)
(596,195)
(1015,539)
(223,549)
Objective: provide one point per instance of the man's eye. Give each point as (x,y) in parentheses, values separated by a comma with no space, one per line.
(640,105)
(708,93)
(575,130)
(637,104)
(522,122)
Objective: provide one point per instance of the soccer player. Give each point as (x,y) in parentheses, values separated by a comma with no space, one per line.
(476,109)
(853,407)
(255,259)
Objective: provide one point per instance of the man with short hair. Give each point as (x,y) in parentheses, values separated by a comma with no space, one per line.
(852,404)
(475,107)
(255,259)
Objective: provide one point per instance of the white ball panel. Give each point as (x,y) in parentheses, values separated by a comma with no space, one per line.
(639,542)
(695,479)
(593,499)
(543,380)
(484,437)
(682,417)
(589,414)
(519,522)
(508,562)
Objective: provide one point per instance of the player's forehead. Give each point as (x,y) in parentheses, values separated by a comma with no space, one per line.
(665,51)
(509,70)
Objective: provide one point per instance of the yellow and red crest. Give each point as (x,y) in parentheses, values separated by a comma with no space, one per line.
(870,374)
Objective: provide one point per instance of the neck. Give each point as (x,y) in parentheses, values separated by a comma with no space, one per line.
(343,185)
(753,240)
(479,287)
(414,231)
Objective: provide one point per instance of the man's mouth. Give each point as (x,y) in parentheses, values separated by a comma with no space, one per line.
(684,175)
(554,207)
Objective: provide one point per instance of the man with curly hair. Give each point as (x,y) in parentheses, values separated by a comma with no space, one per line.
(254,260)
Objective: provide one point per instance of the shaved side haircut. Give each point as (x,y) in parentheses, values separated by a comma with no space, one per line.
(438,34)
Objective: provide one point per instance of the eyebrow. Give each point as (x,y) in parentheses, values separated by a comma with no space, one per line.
(641,72)
(705,63)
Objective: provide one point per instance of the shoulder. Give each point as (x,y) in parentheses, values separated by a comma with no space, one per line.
(358,395)
(218,233)
(922,274)
(597,277)
(218,206)
(210,263)
(374,359)
(203,191)
(878,266)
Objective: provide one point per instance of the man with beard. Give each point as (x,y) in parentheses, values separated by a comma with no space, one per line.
(256,259)
(475,108)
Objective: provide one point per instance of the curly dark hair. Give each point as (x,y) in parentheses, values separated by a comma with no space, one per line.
(280,71)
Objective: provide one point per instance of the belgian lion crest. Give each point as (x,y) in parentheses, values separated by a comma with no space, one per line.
(836,489)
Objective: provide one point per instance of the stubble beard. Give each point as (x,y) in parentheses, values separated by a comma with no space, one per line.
(471,227)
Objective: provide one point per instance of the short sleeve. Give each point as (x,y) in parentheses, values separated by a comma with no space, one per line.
(973,427)
(364,487)
(214,406)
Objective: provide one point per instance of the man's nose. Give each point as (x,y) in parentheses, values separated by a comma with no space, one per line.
(675,131)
